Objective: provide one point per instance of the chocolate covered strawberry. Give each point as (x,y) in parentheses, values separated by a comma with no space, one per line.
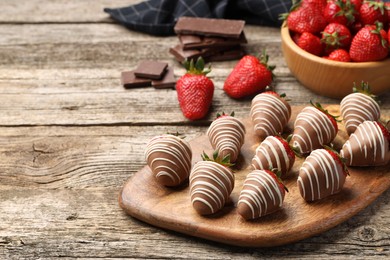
(211,182)
(169,158)
(274,153)
(195,90)
(262,193)
(251,75)
(358,107)
(322,174)
(226,134)
(369,44)
(368,145)
(270,113)
(313,128)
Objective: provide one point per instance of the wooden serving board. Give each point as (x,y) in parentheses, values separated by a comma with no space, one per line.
(170,208)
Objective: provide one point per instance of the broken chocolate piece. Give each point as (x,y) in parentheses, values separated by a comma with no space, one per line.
(181,55)
(209,27)
(168,81)
(129,80)
(233,54)
(151,69)
(197,42)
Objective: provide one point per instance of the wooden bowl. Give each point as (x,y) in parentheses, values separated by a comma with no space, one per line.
(332,78)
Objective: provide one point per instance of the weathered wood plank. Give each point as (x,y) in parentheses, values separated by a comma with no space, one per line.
(58,11)
(89,223)
(102,46)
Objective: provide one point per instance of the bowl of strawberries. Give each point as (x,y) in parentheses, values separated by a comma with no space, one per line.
(330,45)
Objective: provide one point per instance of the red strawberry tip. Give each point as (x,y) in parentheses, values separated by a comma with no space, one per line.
(225,161)
(289,148)
(385,130)
(197,68)
(338,158)
(270,90)
(277,175)
(223,114)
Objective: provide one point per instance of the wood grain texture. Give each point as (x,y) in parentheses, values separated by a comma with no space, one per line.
(70,136)
(144,198)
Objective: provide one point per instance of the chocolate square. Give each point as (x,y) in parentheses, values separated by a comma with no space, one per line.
(129,80)
(151,69)
(168,81)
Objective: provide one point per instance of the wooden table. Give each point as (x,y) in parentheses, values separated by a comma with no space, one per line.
(71,136)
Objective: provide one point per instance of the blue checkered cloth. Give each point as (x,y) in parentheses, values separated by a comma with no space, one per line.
(158,17)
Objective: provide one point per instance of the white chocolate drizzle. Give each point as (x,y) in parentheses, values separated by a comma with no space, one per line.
(269,151)
(367,146)
(269,114)
(320,176)
(312,130)
(357,108)
(211,184)
(170,156)
(261,194)
(226,135)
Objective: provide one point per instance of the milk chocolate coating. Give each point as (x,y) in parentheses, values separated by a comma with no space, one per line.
(272,154)
(367,146)
(169,157)
(320,176)
(210,186)
(269,115)
(226,134)
(260,195)
(357,108)
(312,130)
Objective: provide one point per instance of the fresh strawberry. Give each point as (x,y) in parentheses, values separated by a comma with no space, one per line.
(336,36)
(373,11)
(274,152)
(387,9)
(195,90)
(314,127)
(367,146)
(338,11)
(318,4)
(295,37)
(322,174)
(252,203)
(310,43)
(339,55)
(270,113)
(369,44)
(211,183)
(250,76)
(358,107)
(305,18)
(356,4)
(226,134)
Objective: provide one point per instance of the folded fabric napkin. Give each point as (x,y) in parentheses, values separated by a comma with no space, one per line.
(158,17)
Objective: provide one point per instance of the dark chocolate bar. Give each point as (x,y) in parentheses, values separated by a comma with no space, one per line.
(182,55)
(129,80)
(197,41)
(168,81)
(234,54)
(151,69)
(209,27)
